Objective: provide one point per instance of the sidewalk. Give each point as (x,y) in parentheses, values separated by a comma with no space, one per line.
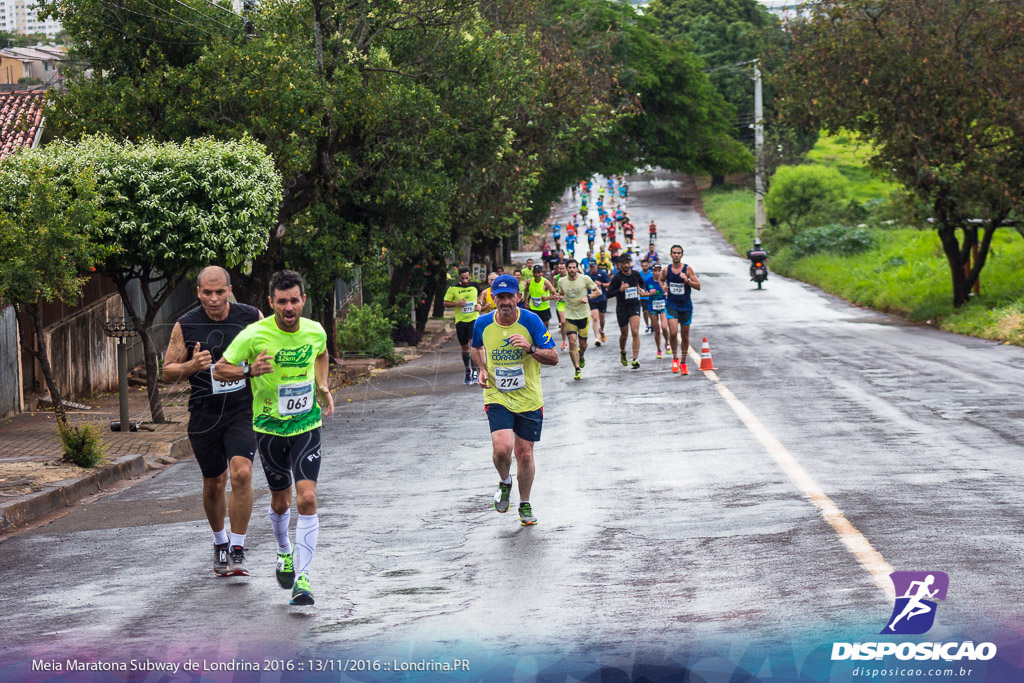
(34,481)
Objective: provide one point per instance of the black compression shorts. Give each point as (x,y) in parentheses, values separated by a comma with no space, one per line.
(288,458)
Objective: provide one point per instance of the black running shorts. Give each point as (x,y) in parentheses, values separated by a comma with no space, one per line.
(464,331)
(601,306)
(544,314)
(288,458)
(214,443)
(622,315)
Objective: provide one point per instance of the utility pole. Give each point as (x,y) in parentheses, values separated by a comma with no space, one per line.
(759,215)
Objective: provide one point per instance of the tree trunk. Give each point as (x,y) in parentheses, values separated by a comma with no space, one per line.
(330,323)
(44,362)
(951,247)
(156,408)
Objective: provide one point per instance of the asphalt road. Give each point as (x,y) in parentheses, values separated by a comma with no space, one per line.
(741,520)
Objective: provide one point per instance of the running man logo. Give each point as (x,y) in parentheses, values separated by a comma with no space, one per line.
(294,358)
(914,612)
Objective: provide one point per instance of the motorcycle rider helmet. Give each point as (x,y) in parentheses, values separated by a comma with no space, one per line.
(757,243)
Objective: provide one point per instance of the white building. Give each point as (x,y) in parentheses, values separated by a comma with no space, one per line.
(19,16)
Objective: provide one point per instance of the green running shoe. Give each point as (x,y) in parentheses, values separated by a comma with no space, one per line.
(285,570)
(301,595)
(501,497)
(578,375)
(583,361)
(622,359)
(636,364)
(526,517)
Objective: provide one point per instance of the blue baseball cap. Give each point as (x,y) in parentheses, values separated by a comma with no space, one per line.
(505,284)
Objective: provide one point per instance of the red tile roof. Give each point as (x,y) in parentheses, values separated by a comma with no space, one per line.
(21,114)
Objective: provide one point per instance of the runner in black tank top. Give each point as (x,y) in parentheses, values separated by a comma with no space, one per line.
(220,413)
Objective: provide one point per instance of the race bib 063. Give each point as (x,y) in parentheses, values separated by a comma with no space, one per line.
(294,399)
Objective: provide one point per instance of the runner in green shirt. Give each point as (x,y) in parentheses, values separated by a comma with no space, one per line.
(286,357)
(462,297)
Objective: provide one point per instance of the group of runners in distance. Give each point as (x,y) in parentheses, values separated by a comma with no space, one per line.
(503,326)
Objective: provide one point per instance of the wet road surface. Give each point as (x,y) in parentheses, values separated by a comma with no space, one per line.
(668,523)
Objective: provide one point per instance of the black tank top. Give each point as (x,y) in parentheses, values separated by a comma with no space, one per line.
(210,399)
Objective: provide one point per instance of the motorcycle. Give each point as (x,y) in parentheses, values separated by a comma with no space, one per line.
(758,268)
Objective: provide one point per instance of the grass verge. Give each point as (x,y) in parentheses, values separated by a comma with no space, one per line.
(906,273)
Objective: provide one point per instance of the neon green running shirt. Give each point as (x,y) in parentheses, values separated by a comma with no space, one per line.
(467,313)
(283,401)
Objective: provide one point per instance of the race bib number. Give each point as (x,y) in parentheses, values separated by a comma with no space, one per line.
(677,288)
(468,307)
(538,302)
(658,305)
(510,378)
(631,293)
(294,399)
(225,387)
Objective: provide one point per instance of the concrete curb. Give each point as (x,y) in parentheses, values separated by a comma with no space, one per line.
(33,505)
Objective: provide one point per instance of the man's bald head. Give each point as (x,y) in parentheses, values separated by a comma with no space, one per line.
(214,274)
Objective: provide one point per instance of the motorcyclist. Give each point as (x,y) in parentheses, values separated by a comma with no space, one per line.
(758,254)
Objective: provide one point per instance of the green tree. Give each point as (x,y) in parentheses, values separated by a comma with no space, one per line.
(800,194)
(728,35)
(935,86)
(172,208)
(48,228)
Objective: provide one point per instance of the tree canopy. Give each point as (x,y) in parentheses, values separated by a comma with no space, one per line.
(170,208)
(935,86)
(412,127)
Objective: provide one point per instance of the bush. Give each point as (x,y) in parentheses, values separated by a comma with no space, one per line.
(407,334)
(833,239)
(802,194)
(82,444)
(366,331)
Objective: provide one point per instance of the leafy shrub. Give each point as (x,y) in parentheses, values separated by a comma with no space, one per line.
(801,194)
(82,444)
(834,239)
(407,334)
(366,331)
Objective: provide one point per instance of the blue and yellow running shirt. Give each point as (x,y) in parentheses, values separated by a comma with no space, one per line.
(513,375)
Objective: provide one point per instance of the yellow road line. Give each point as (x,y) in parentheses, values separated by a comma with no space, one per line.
(851,537)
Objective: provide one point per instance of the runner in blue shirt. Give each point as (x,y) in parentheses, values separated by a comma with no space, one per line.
(591,236)
(656,308)
(570,245)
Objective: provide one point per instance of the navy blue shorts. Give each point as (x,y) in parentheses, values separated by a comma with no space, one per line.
(684,317)
(525,425)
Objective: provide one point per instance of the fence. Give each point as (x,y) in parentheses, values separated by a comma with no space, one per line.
(10,363)
(84,359)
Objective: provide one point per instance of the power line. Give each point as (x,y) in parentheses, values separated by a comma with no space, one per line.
(171,19)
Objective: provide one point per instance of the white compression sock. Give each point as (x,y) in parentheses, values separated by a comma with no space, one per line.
(280,525)
(306,532)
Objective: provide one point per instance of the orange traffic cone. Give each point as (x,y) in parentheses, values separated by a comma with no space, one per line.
(705,356)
